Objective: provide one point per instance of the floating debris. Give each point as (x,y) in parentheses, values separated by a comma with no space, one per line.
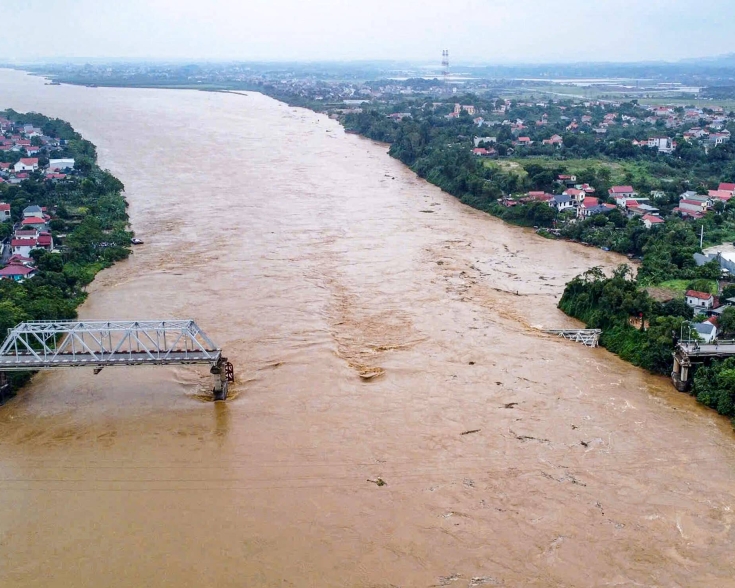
(378,482)
(371,372)
(470,432)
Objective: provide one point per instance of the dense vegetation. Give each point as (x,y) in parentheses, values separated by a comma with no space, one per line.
(608,303)
(89,229)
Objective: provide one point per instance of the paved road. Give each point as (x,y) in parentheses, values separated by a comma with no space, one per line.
(709,349)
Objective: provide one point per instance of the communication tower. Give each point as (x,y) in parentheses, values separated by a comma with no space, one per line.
(445,65)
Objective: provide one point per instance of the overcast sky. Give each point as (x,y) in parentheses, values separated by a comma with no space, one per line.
(492,31)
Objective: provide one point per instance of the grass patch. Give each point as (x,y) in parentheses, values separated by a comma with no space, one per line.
(681,286)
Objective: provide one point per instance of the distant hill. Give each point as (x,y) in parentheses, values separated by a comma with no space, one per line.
(726,60)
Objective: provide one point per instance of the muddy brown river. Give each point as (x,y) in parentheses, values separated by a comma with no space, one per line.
(309,256)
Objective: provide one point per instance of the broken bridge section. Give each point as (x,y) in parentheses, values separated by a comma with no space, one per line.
(44,345)
(588,337)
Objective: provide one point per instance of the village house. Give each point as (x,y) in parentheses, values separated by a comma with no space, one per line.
(538,196)
(587,204)
(687,206)
(663,144)
(17,272)
(23,247)
(554,140)
(699,301)
(561,202)
(707,330)
(567,180)
(650,220)
(726,187)
(576,195)
(25,234)
(26,164)
(721,195)
(63,164)
(33,211)
(600,209)
(640,207)
(621,194)
(4,211)
(34,222)
(718,139)
(468,108)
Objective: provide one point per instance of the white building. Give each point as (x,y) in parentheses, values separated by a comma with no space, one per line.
(561,202)
(706,331)
(23,247)
(663,144)
(26,164)
(4,211)
(60,164)
(700,300)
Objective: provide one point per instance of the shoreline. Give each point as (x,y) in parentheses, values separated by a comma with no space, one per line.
(340,120)
(88,231)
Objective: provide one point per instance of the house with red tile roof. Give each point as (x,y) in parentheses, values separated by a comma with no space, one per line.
(693,206)
(26,164)
(554,140)
(722,195)
(34,222)
(17,272)
(699,300)
(23,247)
(649,220)
(19,259)
(726,187)
(4,211)
(620,191)
(588,203)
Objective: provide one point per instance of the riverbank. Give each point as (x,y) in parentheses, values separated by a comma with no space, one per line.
(299,253)
(456,171)
(667,252)
(65,220)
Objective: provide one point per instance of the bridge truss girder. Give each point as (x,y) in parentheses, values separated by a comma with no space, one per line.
(59,344)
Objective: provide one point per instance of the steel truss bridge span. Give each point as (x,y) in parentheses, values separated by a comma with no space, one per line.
(45,345)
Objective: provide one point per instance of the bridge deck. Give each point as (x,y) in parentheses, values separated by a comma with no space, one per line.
(708,350)
(26,362)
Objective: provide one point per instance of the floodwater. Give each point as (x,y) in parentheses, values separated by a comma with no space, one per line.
(310,256)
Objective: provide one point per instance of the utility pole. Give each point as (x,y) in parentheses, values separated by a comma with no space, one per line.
(701,237)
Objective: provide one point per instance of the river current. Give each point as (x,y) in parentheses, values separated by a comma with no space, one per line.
(311,257)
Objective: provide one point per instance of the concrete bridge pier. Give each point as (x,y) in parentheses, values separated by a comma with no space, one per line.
(680,373)
(222,374)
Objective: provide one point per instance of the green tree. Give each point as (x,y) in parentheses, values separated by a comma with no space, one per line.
(726,321)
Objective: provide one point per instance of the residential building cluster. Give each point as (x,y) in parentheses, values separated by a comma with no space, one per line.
(32,232)
(31,144)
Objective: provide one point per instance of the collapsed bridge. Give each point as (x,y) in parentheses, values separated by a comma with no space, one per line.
(47,345)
